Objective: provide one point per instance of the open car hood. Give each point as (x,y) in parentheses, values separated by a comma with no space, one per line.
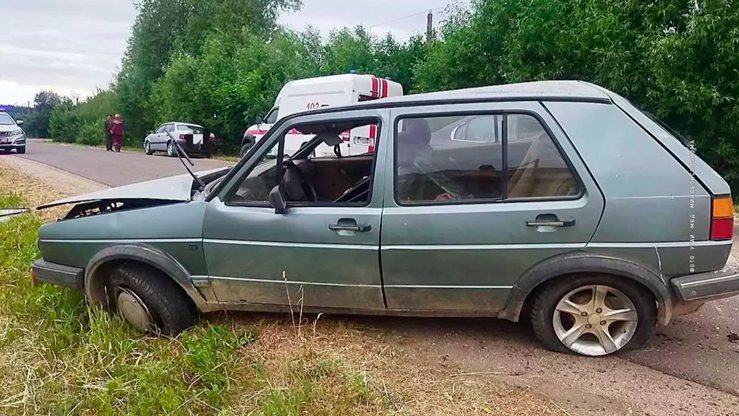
(176,188)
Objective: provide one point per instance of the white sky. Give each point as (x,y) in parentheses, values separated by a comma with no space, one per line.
(75,46)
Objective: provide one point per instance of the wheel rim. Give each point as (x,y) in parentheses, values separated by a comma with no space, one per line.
(134,310)
(170,149)
(146,147)
(595,320)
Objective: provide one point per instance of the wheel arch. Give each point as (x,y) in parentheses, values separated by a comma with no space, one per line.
(581,263)
(147,255)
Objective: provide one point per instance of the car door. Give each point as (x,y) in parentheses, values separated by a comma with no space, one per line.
(157,139)
(464,219)
(319,255)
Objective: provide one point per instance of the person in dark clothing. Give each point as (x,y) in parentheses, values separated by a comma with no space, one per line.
(108,137)
(117,129)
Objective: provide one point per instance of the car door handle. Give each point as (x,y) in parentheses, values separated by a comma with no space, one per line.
(350,225)
(568,223)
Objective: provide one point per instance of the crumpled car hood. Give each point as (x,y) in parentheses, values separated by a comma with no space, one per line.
(176,188)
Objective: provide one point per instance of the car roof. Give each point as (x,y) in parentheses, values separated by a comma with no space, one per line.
(182,122)
(526,91)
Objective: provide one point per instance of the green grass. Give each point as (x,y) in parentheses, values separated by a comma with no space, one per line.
(59,357)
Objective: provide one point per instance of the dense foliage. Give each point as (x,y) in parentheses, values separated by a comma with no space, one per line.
(222,62)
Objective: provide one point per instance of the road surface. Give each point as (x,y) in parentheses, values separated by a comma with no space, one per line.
(109,168)
(695,359)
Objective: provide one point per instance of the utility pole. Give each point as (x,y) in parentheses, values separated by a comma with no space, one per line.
(429,26)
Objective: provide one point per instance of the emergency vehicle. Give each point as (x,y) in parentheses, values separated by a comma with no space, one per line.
(313,93)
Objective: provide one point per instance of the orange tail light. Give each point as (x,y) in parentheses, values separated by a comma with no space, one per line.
(722,218)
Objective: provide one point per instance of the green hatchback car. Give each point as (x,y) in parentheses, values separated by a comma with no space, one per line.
(557,201)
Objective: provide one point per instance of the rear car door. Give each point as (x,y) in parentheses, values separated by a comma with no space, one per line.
(466,214)
(316,254)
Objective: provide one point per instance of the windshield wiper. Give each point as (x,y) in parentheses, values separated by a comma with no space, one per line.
(181,152)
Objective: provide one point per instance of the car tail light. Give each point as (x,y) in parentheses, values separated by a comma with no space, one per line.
(722,218)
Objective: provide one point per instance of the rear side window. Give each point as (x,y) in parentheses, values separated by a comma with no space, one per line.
(467,158)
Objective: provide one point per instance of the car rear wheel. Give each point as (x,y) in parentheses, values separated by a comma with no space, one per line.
(147,148)
(171,150)
(149,301)
(593,315)
(20,150)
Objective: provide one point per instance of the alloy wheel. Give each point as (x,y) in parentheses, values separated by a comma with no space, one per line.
(595,320)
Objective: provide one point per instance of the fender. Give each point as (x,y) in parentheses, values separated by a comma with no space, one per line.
(151,256)
(584,262)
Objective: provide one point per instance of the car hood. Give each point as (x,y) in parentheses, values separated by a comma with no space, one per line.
(176,188)
(8,127)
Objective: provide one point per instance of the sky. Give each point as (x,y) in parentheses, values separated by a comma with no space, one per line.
(74,47)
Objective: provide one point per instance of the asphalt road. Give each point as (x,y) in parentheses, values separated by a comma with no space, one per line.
(109,168)
(702,347)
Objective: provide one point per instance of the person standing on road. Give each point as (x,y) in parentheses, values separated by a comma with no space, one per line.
(117,129)
(108,136)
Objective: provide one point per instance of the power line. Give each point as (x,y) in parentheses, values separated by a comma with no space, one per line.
(405,17)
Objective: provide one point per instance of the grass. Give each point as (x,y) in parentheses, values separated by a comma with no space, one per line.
(60,357)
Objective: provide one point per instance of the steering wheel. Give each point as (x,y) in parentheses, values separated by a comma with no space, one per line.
(294,174)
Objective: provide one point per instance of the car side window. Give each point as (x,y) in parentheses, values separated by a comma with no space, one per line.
(161,128)
(314,171)
(435,161)
(461,159)
(536,168)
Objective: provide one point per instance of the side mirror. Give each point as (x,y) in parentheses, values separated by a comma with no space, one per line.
(277,200)
(259,120)
(19,122)
(150,132)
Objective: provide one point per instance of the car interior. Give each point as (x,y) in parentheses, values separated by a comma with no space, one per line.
(431,166)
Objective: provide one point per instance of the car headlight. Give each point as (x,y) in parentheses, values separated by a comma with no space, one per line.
(16,132)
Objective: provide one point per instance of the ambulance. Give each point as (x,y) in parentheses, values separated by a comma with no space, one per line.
(313,93)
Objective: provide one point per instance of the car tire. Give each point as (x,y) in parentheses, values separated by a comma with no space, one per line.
(20,150)
(566,320)
(171,151)
(149,300)
(244,149)
(147,149)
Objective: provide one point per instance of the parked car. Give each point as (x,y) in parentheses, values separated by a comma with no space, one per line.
(558,201)
(189,136)
(12,135)
(320,92)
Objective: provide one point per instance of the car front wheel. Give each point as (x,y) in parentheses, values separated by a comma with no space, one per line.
(149,301)
(244,149)
(20,150)
(147,148)
(593,315)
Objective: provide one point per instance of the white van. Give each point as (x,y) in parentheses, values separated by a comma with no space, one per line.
(313,93)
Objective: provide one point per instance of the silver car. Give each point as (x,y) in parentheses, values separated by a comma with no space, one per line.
(189,136)
(12,135)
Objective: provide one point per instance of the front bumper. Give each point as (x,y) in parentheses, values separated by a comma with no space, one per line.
(58,274)
(12,142)
(705,286)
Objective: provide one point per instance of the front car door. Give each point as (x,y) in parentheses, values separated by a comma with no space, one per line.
(319,254)
(158,141)
(467,213)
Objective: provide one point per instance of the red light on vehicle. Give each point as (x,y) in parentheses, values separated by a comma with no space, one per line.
(722,219)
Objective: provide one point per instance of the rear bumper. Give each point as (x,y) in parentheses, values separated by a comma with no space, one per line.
(705,286)
(58,274)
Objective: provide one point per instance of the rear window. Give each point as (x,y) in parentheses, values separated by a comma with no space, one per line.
(195,129)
